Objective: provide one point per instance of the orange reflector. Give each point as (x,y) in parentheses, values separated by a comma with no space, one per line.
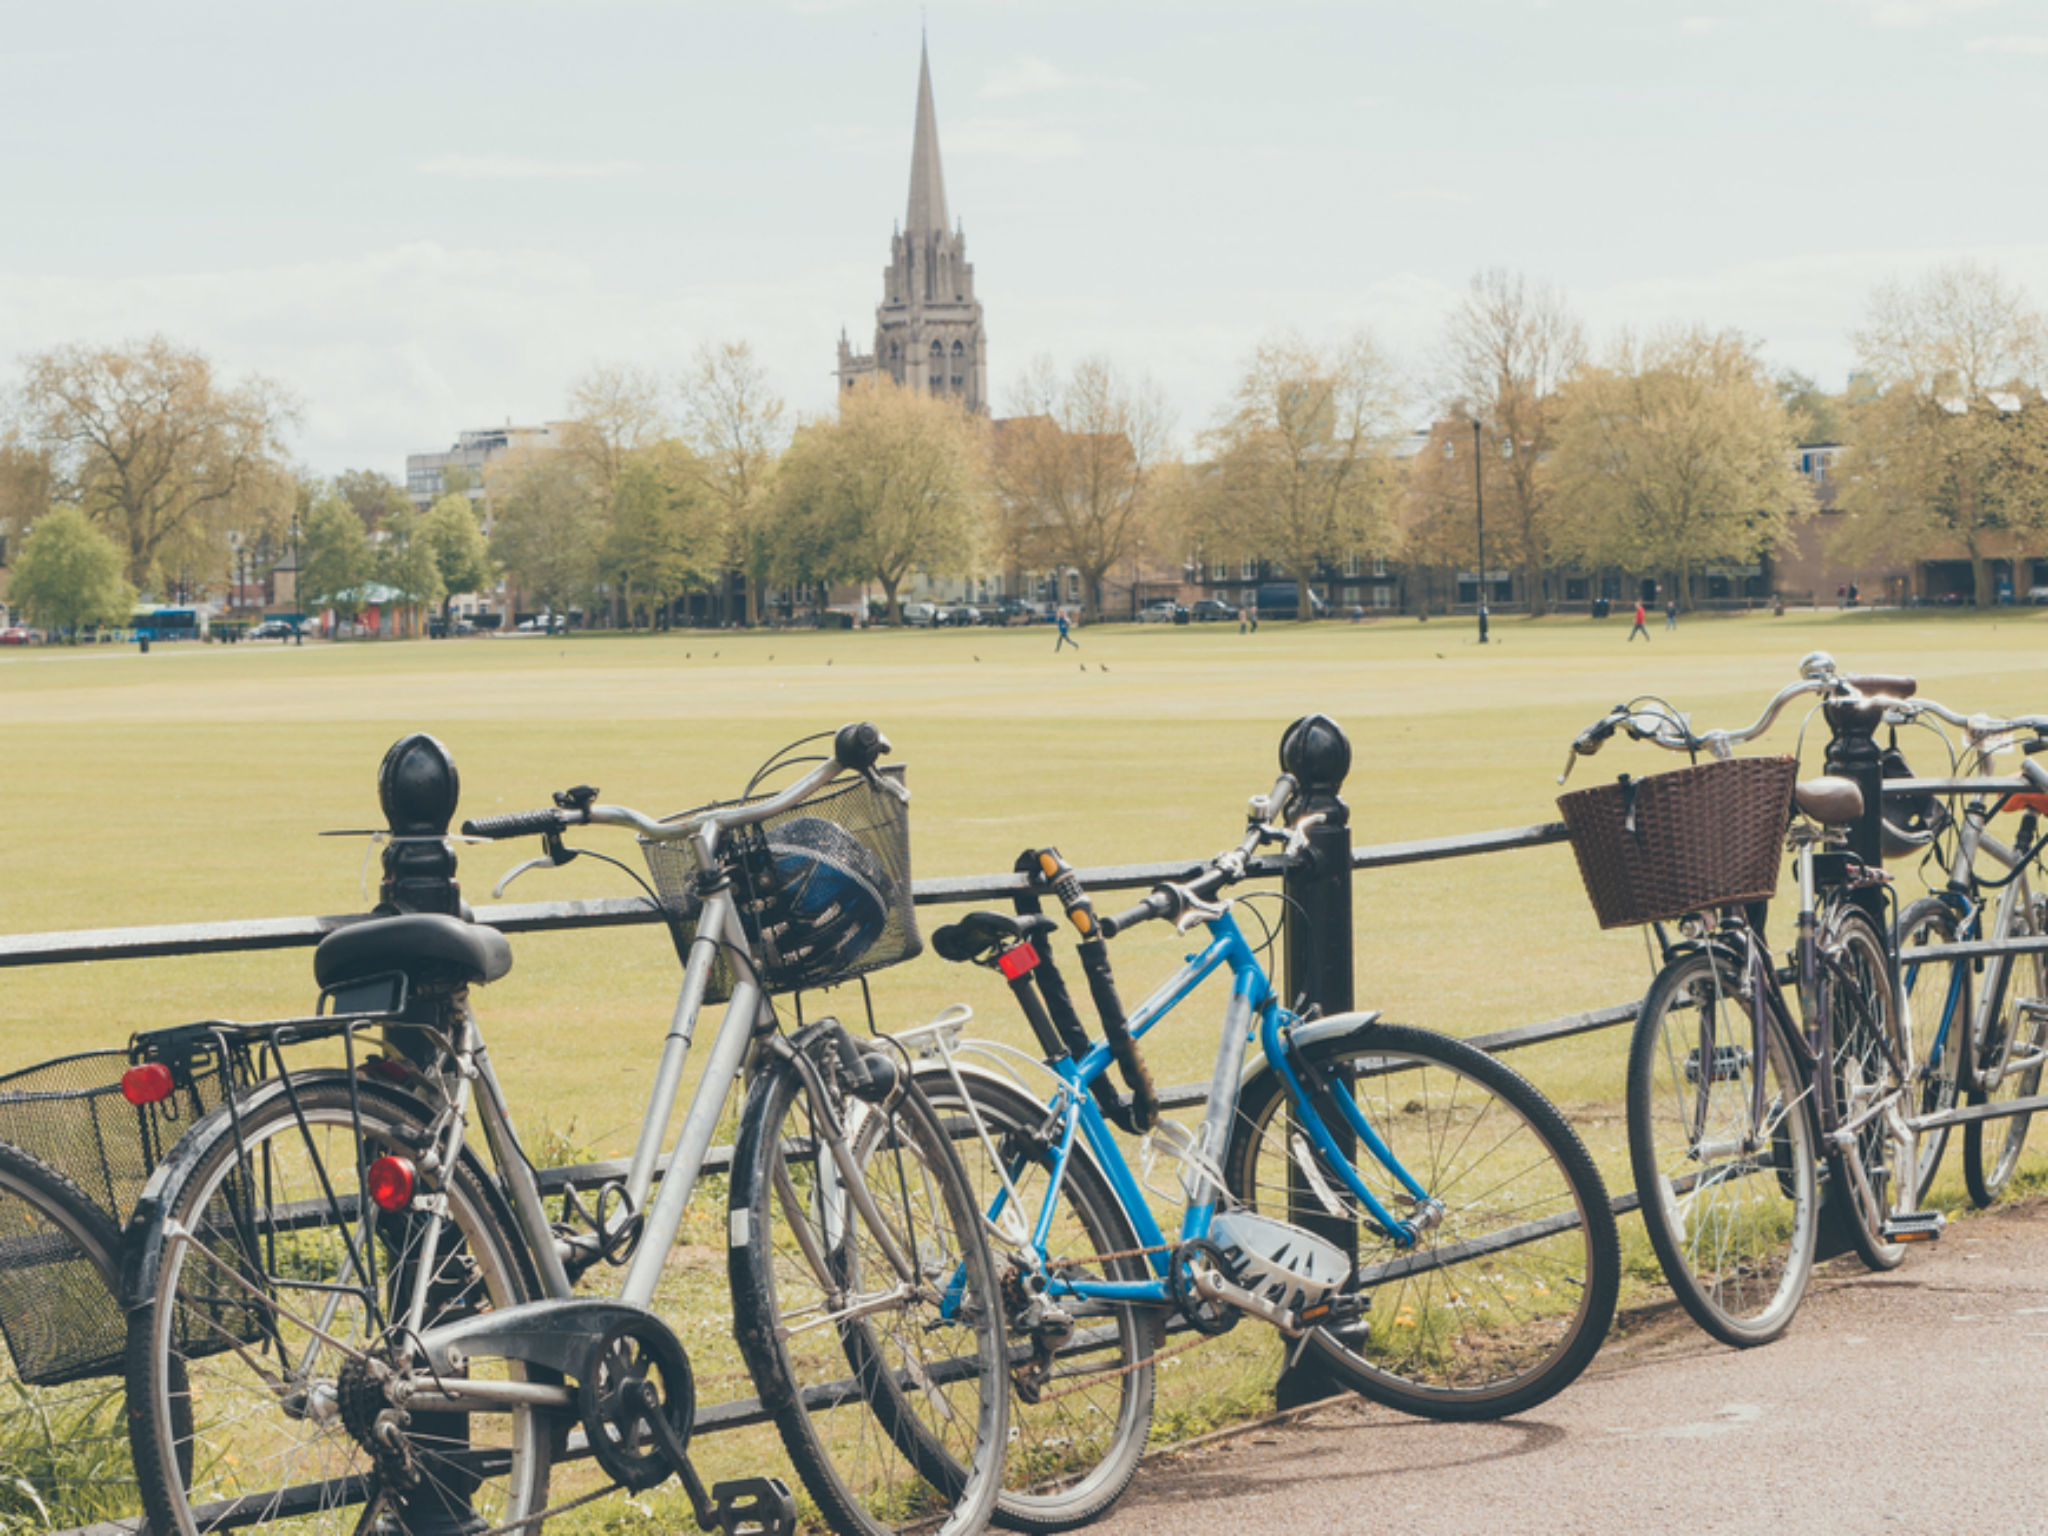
(391,1183)
(149,1083)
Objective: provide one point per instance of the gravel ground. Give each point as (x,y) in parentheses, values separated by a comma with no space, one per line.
(1903,1402)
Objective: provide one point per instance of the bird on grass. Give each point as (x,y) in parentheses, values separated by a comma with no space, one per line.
(1100,667)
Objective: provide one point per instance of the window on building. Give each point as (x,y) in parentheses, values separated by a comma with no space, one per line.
(1248,570)
(959,350)
(1379,566)
(1351,565)
(1383,597)
(1073,586)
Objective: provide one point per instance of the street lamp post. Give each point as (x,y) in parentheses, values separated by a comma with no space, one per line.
(1479,513)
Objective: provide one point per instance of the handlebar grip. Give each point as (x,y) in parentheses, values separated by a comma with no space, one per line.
(858,746)
(1152,906)
(516,824)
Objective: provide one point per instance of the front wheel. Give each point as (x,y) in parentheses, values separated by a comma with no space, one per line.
(2015,1008)
(1874,1174)
(1722,1147)
(1935,1002)
(866,1305)
(1501,1303)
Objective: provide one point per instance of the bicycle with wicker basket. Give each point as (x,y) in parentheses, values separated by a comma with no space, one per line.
(344,1319)
(1743,1110)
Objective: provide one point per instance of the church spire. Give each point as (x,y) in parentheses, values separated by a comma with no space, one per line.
(927,181)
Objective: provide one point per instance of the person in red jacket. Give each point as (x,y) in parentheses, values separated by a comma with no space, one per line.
(1640,628)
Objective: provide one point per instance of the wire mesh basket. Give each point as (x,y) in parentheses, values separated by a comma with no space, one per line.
(823,889)
(59,1319)
(1654,848)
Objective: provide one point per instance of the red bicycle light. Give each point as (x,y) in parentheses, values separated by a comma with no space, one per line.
(149,1083)
(1017,961)
(391,1183)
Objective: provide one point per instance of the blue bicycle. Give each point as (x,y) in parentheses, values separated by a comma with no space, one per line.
(1402,1206)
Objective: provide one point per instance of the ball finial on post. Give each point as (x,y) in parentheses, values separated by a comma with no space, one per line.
(418,787)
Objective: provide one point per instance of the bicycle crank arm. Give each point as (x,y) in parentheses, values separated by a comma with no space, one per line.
(1211,1286)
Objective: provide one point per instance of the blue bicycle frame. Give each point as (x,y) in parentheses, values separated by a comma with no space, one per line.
(1077,1117)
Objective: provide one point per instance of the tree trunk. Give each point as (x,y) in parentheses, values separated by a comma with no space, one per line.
(1304,607)
(1532,588)
(1985,580)
(889,600)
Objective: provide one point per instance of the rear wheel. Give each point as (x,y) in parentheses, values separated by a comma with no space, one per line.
(1082,1381)
(1722,1148)
(2016,1009)
(1935,1001)
(1873,1176)
(1500,1303)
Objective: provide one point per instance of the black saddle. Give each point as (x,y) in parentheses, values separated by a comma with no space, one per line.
(432,949)
(979,932)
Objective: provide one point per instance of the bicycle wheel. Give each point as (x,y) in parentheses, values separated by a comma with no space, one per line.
(888,1389)
(63,1441)
(1722,1149)
(1870,1049)
(1081,1372)
(277,1291)
(1991,1148)
(1504,1301)
(1936,1002)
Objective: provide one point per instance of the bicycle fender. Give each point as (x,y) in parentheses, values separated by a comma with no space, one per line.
(1338,1026)
(142,1239)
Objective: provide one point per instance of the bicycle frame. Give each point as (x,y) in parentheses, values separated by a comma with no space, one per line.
(1076,1117)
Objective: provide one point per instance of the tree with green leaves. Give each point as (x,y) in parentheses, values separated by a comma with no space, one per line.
(734,423)
(461,555)
(69,574)
(405,563)
(665,532)
(897,485)
(549,525)
(1301,461)
(335,559)
(1947,449)
(1673,455)
(372,495)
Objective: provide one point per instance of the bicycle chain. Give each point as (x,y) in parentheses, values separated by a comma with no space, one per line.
(1136,1365)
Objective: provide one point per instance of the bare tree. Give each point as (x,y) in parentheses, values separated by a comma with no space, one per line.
(1073,470)
(1949,447)
(150,442)
(1301,462)
(1512,347)
(734,424)
(615,411)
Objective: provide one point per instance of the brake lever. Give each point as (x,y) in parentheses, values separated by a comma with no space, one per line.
(1193,910)
(555,853)
(887,785)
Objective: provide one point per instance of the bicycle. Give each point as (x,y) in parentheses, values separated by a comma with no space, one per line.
(1473,1267)
(1732,1102)
(379,1330)
(1992,1047)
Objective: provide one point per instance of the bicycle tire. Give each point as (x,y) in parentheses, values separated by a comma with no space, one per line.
(1866,1034)
(1737,1249)
(1992,1148)
(228,1305)
(874,1457)
(1478,1345)
(1072,1455)
(61,1325)
(1936,1001)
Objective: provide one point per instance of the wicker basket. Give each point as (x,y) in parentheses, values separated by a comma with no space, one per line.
(874,818)
(1707,836)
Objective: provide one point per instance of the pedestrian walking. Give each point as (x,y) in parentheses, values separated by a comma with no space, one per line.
(1065,639)
(1641,628)
(1671,613)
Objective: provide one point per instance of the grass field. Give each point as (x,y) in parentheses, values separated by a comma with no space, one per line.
(190,784)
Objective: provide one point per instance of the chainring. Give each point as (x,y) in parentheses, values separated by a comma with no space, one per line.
(639,1403)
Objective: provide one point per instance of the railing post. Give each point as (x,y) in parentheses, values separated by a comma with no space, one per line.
(418,787)
(1318,970)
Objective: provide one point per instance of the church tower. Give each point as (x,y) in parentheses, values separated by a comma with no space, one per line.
(928,331)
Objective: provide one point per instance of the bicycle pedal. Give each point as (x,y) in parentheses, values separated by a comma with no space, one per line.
(753,1506)
(1915,1227)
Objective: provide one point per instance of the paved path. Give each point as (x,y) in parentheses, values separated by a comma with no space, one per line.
(1914,1401)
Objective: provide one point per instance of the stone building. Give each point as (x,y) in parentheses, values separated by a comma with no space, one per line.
(928,331)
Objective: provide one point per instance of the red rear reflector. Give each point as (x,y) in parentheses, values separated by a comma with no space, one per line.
(1014,962)
(149,1083)
(391,1183)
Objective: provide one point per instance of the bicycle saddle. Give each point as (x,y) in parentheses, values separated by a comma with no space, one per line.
(1884,685)
(979,932)
(1831,801)
(429,947)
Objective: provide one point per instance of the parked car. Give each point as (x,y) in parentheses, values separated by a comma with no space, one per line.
(960,616)
(921,615)
(1282,600)
(1011,610)
(1158,611)
(1207,609)
(16,635)
(2037,594)
(274,629)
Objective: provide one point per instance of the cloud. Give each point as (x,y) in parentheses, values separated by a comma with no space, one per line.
(1700,26)
(1013,138)
(2009,44)
(1895,14)
(1027,75)
(516,168)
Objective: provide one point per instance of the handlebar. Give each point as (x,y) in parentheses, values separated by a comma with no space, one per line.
(516,824)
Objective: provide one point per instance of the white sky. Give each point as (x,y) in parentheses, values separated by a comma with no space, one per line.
(433,215)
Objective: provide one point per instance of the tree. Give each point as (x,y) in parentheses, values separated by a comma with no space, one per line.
(1676,454)
(372,495)
(666,534)
(549,523)
(734,425)
(1949,445)
(69,574)
(1817,416)
(405,563)
(335,559)
(1512,347)
(615,412)
(1072,470)
(897,484)
(148,441)
(449,528)
(1301,462)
